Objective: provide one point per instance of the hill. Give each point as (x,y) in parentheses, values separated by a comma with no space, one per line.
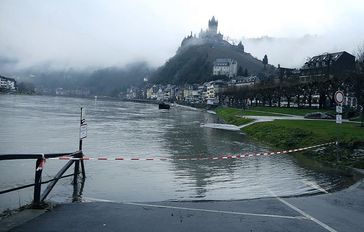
(193,62)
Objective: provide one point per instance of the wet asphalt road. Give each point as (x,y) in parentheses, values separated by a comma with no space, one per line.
(340,211)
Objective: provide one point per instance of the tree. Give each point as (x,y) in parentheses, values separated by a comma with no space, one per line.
(265,60)
(241,46)
(359,81)
(240,71)
(360,56)
(246,72)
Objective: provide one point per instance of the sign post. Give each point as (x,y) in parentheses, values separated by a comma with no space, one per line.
(83,134)
(339,99)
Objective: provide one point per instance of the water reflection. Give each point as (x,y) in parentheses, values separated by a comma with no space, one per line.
(78,190)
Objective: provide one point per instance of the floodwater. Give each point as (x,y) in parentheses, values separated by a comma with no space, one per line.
(43,124)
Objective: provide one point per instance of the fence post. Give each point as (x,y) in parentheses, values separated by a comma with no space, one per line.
(82,121)
(37,183)
(76,171)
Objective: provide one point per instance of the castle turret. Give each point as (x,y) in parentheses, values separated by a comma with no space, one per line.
(213,25)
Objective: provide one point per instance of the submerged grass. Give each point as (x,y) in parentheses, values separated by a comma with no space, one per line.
(232,116)
(292,133)
(287,134)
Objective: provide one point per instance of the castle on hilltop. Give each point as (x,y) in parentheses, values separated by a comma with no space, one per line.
(209,35)
(211,31)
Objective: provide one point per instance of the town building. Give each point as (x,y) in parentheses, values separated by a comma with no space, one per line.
(169,93)
(192,94)
(179,93)
(328,64)
(134,93)
(225,67)
(241,81)
(214,90)
(286,73)
(7,84)
(152,92)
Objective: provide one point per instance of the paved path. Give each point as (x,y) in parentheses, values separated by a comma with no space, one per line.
(269,118)
(293,117)
(340,211)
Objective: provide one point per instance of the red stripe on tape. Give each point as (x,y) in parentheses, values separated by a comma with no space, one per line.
(198,158)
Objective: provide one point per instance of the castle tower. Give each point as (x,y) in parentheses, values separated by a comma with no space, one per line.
(213,25)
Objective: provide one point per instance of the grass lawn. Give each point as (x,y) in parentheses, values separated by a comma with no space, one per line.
(261,113)
(241,112)
(286,134)
(284,110)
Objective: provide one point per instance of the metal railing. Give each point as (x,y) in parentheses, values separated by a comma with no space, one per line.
(39,197)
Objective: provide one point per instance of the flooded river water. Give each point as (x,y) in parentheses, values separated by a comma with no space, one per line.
(42,124)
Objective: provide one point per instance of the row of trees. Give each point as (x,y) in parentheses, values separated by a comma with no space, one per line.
(300,91)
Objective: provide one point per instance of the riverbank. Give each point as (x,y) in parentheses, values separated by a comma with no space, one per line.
(338,211)
(292,130)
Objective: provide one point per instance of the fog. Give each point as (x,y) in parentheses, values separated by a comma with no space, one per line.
(91,34)
(294,52)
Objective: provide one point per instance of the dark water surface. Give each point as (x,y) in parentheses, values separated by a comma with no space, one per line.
(42,124)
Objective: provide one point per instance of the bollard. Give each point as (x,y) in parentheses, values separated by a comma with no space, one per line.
(38,182)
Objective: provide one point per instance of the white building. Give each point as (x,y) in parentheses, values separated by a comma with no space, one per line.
(214,88)
(225,67)
(243,81)
(7,83)
(152,92)
(170,93)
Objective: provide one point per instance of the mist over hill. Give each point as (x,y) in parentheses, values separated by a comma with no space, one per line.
(108,81)
(113,80)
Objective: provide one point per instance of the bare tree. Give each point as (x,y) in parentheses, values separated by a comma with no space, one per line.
(359,79)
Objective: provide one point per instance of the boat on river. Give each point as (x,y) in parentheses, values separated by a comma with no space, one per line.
(164,106)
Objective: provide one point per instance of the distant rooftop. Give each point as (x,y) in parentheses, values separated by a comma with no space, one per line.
(223,62)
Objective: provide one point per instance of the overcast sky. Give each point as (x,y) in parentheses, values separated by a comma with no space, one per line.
(100,33)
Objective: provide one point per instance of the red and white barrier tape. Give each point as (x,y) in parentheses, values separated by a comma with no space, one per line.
(198,158)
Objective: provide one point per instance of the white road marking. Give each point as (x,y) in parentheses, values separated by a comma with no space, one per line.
(217,211)
(303,213)
(96,199)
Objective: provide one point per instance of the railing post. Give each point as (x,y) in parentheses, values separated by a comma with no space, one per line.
(76,171)
(82,163)
(37,183)
(82,122)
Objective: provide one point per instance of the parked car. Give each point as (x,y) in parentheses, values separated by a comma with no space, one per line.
(319,115)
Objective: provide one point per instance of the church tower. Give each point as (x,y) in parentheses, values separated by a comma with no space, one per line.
(213,25)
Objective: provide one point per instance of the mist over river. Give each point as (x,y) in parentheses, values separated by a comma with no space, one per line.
(44,124)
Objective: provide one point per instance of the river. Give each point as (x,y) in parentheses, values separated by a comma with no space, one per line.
(43,124)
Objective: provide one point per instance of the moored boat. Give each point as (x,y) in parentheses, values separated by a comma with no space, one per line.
(164,106)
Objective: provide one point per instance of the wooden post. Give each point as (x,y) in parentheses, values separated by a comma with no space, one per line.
(80,148)
(37,182)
